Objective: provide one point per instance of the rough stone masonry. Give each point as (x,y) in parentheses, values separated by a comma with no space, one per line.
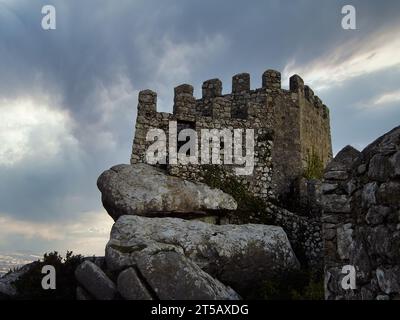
(361,220)
(289,125)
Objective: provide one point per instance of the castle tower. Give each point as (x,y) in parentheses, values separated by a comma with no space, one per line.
(289,125)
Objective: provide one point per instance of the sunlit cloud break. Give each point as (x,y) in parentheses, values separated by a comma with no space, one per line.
(351,59)
(387,98)
(32,130)
(88,235)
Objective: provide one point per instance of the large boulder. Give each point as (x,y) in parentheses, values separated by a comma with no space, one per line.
(241,256)
(141,189)
(131,287)
(95,281)
(172,276)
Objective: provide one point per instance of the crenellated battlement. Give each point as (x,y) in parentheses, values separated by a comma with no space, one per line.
(294,121)
(235,104)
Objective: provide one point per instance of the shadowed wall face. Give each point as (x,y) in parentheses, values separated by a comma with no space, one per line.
(361,221)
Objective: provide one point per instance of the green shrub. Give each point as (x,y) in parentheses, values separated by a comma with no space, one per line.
(294,285)
(315,166)
(29,284)
(248,204)
(313,291)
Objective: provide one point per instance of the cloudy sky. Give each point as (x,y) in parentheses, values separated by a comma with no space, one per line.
(68,96)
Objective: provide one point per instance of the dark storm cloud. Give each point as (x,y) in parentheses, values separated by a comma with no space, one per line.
(355,120)
(103,52)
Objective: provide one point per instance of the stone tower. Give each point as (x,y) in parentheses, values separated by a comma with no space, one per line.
(288,125)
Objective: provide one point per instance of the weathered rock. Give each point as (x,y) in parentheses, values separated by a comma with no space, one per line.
(359,258)
(241,256)
(351,186)
(369,194)
(117,260)
(366,293)
(98,261)
(343,160)
(329,234)
(333,283)
(389,193)
(368,235)
(384,243)
(329,187)
(144,190)
(175,277)
(344,240)
(336,175)
(376,215)
(389,279)
(336,203)
(395,161)
(131,287)
(380,168)
(7,288)
(95,281)
(7,291)
(361,168)
(82,294)
(387,145)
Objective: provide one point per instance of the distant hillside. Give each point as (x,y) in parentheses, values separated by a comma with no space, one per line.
(12,260)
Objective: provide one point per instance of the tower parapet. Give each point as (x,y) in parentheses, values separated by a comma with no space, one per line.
(212,88)
(296,84)
(241,83)
(147,101)
(271,79)
(184,101)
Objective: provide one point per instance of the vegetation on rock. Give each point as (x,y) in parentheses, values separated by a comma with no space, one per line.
(29,284)
(315,166)
(295,285)
(250,207)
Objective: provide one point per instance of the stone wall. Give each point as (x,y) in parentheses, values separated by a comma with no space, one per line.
(314,127)
(304,234)
(260,182)
(287,124)
(361,220)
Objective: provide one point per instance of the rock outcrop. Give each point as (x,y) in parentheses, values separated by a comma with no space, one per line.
(131,287)
(7,291)
(361,220)
(159,249)
(172,276)
(155,272)
(144,190)
(95,281)
(176,259)
(163,275)
(242,256)
(7,288)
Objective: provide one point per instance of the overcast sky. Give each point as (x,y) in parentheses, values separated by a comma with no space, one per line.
(68,96)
